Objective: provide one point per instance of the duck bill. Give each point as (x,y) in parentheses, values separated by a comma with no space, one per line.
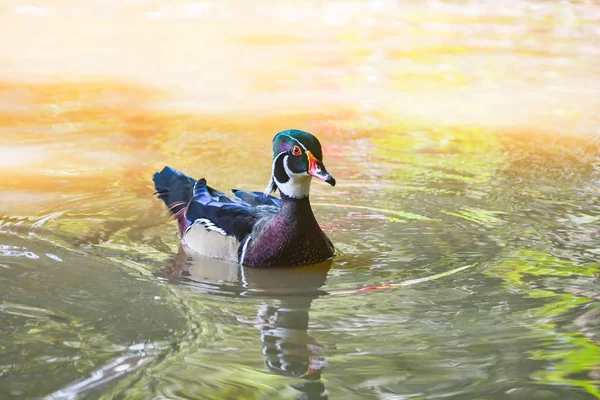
(317,169)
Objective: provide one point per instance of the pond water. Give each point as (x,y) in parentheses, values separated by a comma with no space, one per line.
(464,139)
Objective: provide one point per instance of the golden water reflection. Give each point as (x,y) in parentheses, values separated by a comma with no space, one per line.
(94,89)
(456,130)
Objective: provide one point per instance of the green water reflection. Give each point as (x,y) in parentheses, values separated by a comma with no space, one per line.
(97,305)
(462,134)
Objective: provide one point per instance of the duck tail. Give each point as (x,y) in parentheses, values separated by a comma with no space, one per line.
(175,190)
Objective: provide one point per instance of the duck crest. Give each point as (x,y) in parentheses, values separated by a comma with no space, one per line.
(251,228)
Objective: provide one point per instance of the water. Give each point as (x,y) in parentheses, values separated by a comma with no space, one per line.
(464,139)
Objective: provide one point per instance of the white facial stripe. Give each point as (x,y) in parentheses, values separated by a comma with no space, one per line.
(288,171)
(275,160)
(298,186)
(297,141)
(269,188)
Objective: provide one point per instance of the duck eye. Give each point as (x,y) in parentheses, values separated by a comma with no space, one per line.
(296,151)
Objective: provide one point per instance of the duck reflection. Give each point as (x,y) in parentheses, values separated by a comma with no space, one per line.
(286,345)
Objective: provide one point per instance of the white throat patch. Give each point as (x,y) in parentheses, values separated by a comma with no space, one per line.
(297,187)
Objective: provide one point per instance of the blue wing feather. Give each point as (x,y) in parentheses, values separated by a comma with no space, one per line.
(190,200)
(256,198)
(233,216)
(174,188)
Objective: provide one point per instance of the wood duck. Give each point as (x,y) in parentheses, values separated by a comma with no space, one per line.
(251,228)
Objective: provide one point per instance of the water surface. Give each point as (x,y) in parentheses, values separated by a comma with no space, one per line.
(464,139)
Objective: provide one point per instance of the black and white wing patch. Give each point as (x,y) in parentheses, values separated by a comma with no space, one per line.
(219,213)
(208,225)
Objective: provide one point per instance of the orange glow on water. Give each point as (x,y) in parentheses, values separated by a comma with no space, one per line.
(93,93)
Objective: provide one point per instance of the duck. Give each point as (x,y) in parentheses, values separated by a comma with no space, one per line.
(255,229)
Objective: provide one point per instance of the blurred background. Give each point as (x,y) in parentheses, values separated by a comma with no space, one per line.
(461,133)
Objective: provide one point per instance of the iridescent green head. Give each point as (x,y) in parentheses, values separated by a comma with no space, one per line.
(297,157)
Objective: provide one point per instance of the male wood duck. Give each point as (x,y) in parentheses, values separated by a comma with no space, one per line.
(252,228)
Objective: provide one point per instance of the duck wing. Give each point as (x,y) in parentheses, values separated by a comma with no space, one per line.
(210,222)
(219,225)
(220,213)
(257,198)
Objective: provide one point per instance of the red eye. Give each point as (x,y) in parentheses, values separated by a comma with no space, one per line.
(296,151)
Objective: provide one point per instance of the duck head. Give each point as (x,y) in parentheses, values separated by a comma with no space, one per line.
(297,157)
